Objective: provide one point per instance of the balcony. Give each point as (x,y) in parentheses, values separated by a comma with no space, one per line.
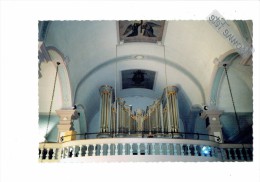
(143,150)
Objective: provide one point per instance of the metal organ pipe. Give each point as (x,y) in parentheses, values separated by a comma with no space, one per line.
(121,123)
(128,111)
(139,117)
(106,93)
(171,110)
(118,120)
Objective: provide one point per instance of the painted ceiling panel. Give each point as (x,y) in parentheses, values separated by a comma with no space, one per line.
(138,78)
(141,31)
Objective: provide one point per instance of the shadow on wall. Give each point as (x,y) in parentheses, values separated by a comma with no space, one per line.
(231,129)
(52,132)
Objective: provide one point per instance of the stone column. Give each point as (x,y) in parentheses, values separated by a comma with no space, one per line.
(213,124)
(65,126)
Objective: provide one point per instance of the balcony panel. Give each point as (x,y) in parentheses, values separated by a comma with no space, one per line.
(143,150)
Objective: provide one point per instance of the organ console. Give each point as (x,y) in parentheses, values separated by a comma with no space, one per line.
(161,119)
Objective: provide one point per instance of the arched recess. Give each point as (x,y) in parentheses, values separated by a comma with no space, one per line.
(62,95)
(67,96)
(168,63)
(219,73)
(57,56)
(45,86)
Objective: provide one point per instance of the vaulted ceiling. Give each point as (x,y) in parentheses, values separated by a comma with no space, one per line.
(189,55)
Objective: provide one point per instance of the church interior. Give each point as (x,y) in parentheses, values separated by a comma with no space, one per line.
(144,79)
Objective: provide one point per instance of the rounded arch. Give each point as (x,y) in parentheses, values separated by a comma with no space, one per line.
(226,58)
(57,56)
(229,58)
(169,63)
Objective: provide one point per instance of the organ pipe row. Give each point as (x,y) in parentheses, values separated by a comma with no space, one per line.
(118,120)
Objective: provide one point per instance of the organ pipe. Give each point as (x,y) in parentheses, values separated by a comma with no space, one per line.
(139,117)
(106,94)
(171,111)
(118,119)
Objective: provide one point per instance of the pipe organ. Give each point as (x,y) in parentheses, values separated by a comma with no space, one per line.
(161,119)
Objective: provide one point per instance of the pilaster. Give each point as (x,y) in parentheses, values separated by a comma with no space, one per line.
(213,124)
(65,125)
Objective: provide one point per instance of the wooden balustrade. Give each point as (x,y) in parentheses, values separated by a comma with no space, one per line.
(188,150)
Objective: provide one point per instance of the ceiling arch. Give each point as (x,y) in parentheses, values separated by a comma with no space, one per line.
(95,56)
(162,63)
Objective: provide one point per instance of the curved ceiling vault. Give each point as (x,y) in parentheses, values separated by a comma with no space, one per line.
(95,56)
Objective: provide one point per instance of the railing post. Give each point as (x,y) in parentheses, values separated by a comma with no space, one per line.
(53,154)
(87,151)
(131,148)
(168,148)
(66,154)
(195,150)
(123,150)
(188,150)
(101,149)
(208,154)
(62,153)
(160,147)
(138,149)
(241,154)
(41,153)
(108,149)
(47,154)
(247,155)
(182,151)
(153,151)
(235,154)
(146,148)
(73,153)
(175,149)
(216,152)
(116,148)
(94,150)
(58,153)
(223,153)
(229,154)
(80,151)
(213,152)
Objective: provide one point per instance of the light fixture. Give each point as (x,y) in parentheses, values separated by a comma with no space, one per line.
(205,150)
(139,57)
(205,108)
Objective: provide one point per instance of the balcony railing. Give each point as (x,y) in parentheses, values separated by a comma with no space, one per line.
(143,149)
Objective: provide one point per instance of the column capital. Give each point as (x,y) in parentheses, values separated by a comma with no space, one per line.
(65,124)
(213,125)
(65,112)
(213,112)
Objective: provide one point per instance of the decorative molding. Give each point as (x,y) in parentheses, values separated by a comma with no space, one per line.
(57,56)
(227,59)
(43,52)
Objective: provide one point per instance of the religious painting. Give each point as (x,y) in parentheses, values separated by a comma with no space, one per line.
(137,78)
(141,31)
